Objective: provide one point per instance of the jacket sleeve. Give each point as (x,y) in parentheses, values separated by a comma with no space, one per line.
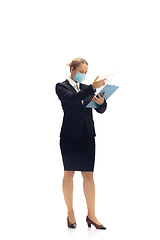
(102,108)
(67,96)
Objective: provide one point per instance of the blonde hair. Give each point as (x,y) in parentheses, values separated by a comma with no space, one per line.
(76,62)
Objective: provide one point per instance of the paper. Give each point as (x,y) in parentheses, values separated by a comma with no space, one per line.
(108,89)
(110,77)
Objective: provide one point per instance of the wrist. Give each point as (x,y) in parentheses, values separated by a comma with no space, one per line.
(93,87)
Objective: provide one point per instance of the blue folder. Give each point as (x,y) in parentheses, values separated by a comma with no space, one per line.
(108,89)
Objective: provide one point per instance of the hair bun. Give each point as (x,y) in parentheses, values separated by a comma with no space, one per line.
(68,64)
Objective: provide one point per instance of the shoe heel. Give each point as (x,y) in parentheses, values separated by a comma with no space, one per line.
(89,225)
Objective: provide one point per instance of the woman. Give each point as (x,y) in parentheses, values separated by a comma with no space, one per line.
(77,137)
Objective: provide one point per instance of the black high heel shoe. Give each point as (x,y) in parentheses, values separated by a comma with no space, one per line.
(89,222)
(71,225)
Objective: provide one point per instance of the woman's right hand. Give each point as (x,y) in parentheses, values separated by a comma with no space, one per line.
(97,84)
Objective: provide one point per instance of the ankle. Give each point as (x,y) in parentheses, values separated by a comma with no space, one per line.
(92,216)
(70,212)
(91,213)
(71,216)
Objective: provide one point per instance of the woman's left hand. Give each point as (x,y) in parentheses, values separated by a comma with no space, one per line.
(99,100)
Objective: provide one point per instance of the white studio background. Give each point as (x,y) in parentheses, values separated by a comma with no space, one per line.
(37,39)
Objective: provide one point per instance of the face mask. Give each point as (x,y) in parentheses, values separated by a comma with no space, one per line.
(80,77)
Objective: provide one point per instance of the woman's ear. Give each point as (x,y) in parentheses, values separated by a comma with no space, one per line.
(72,69)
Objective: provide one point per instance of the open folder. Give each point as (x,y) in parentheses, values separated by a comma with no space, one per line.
(108,89)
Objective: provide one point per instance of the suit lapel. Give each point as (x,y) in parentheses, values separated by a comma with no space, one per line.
(69,86)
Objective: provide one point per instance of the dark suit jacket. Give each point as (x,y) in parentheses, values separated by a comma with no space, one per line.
(76,113)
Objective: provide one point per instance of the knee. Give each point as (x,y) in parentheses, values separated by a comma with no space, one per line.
(88,176)
(68,175)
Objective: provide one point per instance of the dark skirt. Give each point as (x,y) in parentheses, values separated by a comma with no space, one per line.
(78,154)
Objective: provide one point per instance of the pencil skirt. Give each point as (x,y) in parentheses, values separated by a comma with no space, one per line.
(78,154)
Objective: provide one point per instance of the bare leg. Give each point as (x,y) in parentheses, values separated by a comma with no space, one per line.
(67,186)
(89,192)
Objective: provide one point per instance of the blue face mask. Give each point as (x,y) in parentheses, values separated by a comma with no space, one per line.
(80,77)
